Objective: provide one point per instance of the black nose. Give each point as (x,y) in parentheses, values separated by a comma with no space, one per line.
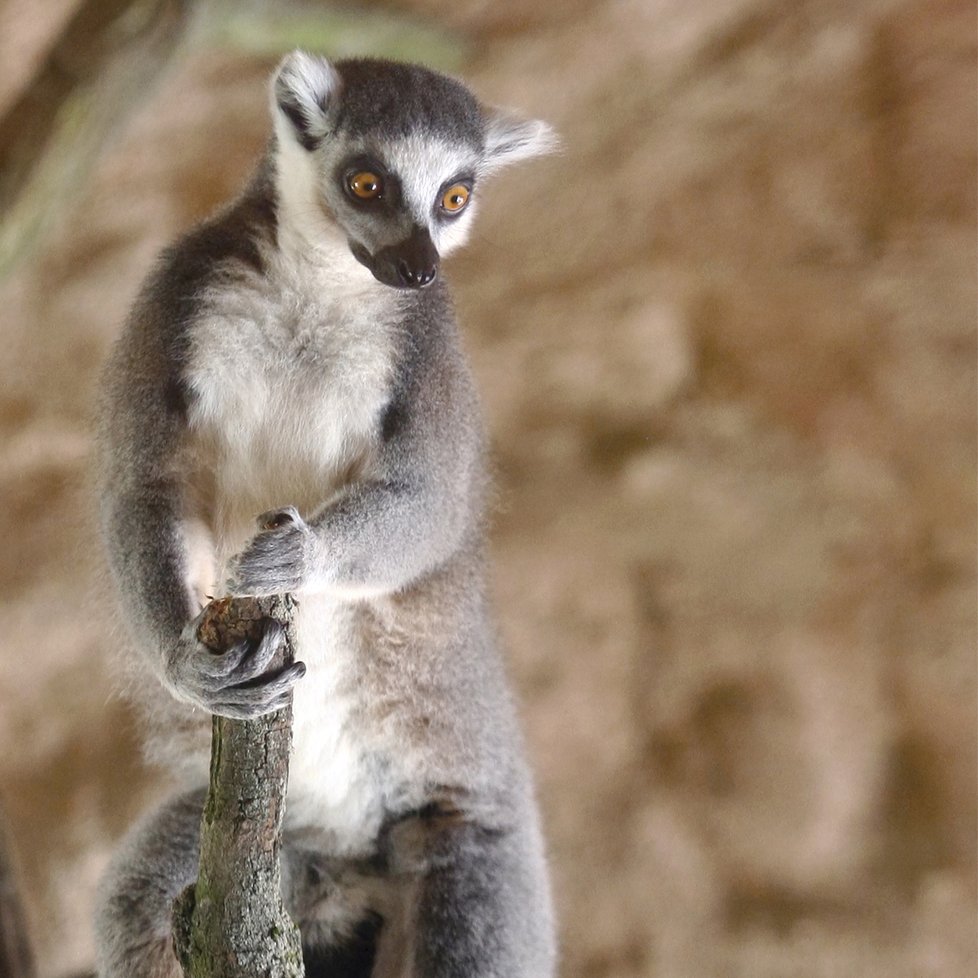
(416,278)
(409,264)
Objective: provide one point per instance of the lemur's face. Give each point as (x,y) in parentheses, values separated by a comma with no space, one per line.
(391,154)
(402,202)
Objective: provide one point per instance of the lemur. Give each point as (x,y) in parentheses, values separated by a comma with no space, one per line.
(288,409)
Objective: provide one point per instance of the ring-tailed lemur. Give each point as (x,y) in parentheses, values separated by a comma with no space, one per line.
(298,354)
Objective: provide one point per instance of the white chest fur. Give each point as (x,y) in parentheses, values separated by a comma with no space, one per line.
(290,374)
(334,781)
(290,377)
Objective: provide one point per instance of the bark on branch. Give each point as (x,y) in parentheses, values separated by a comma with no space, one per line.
(232,923)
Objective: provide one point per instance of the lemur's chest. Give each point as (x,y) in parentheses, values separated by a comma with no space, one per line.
(288,393)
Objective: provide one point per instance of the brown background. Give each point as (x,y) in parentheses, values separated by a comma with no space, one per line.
(726,343)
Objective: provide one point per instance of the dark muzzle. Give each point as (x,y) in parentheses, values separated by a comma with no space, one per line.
(409,264)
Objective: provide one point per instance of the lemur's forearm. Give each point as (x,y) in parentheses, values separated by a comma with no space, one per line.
(376,538)
(382,535)
(384,532)
(148,557)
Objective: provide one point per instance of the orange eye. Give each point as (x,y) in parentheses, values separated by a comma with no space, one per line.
(455,198)
(366,185)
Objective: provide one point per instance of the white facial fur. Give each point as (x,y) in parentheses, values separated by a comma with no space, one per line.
(424,166)
(305,227)
(313,209)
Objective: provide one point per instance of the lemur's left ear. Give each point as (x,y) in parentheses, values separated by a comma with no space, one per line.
(302,89)
(510,138)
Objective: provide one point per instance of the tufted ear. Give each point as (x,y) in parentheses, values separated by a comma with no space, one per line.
(304,87)
(510,138)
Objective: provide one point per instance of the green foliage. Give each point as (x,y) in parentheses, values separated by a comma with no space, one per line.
(336,33)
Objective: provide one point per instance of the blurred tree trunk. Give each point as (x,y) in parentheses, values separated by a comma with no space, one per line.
(106,59)
(16,959)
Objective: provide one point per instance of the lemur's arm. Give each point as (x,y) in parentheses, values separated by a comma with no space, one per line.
(142,513)
(390,529)
(139,494)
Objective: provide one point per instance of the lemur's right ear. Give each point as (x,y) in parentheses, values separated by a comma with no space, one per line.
(303,88)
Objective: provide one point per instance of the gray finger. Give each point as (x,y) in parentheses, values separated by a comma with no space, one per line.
(259,654)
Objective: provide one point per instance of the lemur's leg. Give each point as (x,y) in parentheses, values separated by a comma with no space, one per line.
(337,903)
(133,914)
(484,910)
(480,907)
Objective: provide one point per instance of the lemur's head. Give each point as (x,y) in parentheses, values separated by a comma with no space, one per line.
(391,155)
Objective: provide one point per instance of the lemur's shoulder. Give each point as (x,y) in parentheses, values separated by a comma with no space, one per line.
(235,241)
(237,237)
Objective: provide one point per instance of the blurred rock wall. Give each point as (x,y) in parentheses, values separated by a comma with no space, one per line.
(726,343)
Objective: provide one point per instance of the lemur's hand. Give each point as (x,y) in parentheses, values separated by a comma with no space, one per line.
(278,559)
(235,683)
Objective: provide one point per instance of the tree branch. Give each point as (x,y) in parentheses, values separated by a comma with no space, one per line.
(232,922)
(108,55)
